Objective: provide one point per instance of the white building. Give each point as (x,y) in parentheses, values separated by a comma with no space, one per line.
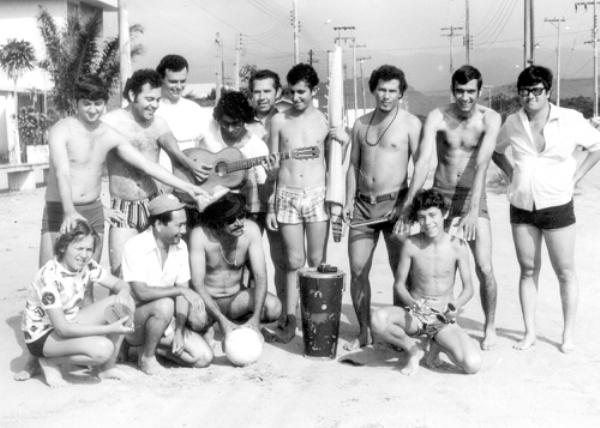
(18,20)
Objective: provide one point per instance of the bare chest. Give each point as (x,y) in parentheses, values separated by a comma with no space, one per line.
(300,133)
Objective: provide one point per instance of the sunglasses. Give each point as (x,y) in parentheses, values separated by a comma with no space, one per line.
(536,91)
(231,220)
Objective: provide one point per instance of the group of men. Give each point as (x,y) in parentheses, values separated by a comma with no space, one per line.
(180,294)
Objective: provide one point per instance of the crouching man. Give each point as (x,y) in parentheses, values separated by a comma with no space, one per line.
(156,265)
(428,262)
(220,247)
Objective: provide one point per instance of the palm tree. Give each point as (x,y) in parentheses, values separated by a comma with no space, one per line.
(77,50)
(16,57)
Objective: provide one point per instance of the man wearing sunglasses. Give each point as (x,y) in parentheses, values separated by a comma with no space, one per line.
(220,246)
(543,173)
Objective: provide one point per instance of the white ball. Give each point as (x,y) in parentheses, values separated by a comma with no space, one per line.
(243,346)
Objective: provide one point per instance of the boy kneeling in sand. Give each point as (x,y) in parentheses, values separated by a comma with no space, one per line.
(428,262)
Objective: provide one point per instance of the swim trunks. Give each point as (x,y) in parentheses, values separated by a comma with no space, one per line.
(458,200)
(295,206)
(431,321)
(136,213)
(36,348)
(546,218)
(367,207)
(53,215)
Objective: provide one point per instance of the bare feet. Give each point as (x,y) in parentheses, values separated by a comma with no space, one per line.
(52,372)
(111,373)
(283,333)
(527,342)
(32,368)
(567,345)
(432,358)
(150,365)
(489,339)
(361,341)
(209,337)
(412,365)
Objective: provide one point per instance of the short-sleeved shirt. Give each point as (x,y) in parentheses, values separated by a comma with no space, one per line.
(250,147)
(55,287)
(188,122)
(545,179)
(142,262)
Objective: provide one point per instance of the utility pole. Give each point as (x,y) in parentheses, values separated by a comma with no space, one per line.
(296,26)
(452,32)
(361,60)
(467,38)
(531,33)
(236,68)
(218,57)
(594,42)
(556,23)
(352,39)
(489,89)
(310,57)
(124,46)
(525,32)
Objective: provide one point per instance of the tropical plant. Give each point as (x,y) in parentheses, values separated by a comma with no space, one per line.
(79,49)
(17,57)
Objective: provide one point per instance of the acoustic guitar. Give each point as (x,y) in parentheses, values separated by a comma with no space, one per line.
(229,167)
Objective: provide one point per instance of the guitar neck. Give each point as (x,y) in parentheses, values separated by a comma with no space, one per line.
(252,162)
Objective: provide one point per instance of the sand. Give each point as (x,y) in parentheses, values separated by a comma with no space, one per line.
(538,387)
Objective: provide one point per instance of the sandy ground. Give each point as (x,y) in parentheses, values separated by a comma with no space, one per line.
(539,387)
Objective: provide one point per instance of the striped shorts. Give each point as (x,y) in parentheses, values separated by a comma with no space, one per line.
(294,206)
(136,213)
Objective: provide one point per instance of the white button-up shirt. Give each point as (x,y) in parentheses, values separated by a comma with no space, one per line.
(142,262)
(545,179)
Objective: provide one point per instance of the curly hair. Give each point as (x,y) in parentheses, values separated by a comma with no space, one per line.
(80,231)
(90,87)
(235,105)
(426,199)
(219,213)
(173,63)
(387,73)
(303,72)
(138,79)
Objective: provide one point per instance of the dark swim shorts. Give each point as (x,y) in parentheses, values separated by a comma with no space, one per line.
(546,218)
(53,215)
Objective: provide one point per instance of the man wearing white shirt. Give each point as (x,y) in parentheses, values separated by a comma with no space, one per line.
(543,173)
(156,265)
(186,118)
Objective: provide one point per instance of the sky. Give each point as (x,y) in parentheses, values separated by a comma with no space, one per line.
(406,33)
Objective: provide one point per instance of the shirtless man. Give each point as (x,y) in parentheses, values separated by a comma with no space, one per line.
(300,212)
(220,247)
(464,134)
(131,189)
(429,262)
(383,142)
(79,146)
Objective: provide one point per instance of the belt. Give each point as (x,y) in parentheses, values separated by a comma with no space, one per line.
(379,198)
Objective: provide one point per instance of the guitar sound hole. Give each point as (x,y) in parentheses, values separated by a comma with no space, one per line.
(221,169)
